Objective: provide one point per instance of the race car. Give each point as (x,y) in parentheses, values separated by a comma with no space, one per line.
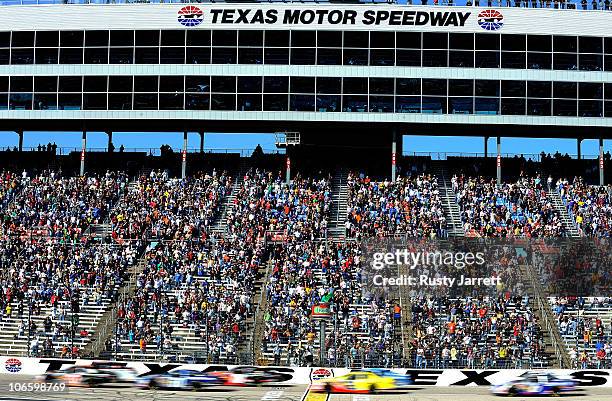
(400,379)
(535,383)
(119,372)
(358,382)
(249,376)
(81,376)
(179,379)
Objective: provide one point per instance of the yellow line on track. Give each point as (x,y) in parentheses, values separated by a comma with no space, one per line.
(312,396)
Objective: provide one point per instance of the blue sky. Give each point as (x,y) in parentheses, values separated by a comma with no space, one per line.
(249,141)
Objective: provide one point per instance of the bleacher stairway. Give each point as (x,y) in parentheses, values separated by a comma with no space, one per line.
(449,201)
(568,222)
(336,229)
(219,224)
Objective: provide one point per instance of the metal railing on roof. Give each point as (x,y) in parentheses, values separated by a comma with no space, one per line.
(602,5)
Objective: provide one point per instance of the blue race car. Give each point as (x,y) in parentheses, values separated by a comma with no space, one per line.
(535,383)
(399,379)
(179,379)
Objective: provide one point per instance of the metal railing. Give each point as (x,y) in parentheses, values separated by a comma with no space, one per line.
(561,356)
(535,157)
(66,150)
(546,4)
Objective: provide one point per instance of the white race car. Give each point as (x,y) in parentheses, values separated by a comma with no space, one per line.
(535,383)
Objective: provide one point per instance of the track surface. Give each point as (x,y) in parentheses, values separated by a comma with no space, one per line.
(274,393)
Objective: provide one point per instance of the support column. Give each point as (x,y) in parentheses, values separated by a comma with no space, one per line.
(201,141)
(394,155)
(110,146)
(601,162)
(20,133)
(322,351)
(578,148)
(83,147)
(184,163)
(486,147)
(498,161)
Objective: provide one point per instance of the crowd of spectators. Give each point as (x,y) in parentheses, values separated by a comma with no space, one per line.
(169,208)
(203,287)
(586,326)
(475,333)
(411,206)
(361,330)
(55,281)
(196,287)
(59,206)
(589,206)
(10,185)
(265,205)
(519,209)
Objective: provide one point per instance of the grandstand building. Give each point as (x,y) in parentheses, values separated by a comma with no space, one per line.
(322,71)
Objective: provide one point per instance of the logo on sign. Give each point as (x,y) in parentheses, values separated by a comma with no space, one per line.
(490,20)
(190,16)
(321,373)
(12,365)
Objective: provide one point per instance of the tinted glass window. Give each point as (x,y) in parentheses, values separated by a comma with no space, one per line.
(223,84)
(120,83)
(355,85)
(94,84)
(461,87)
(487,41)
(303,38)
(147,38)
(173,38)
(409,40)
(587,44)
(434,87)
(21,84)
(122,38)
(539,43)
(435,40)
(198,38)
(565,44)
(171,84)
(145,84)
(461,41)
(249,84)
(45,84)
(356,39)
(277,38)
(539,89)
(70,84)
(382,39)
(408,86)
(23,39)
(513,88)
(302,85)
(47,39)
(71,38)
(224,38)
(329,39)
(96,38)
(329,85)
(486,87)
(250,38)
